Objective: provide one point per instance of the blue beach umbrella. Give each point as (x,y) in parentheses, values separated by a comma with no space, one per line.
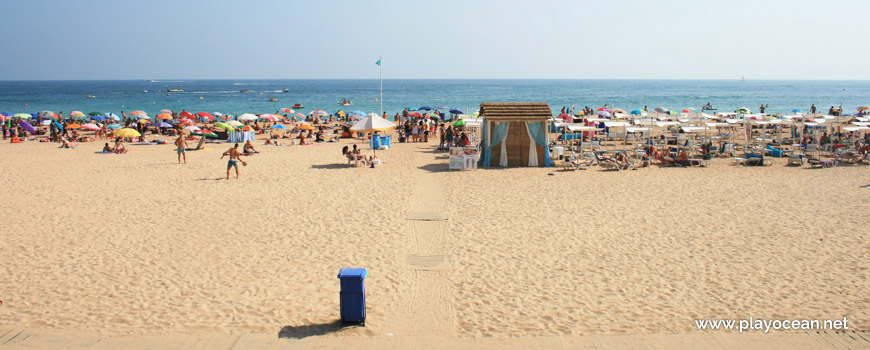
(358,114)
(59,127)
(796,111)
(163,125)
(112,116)
(278,126)
(424,108)
(8,114)
(455,111)
(412,109)
(98,117)
(637,112)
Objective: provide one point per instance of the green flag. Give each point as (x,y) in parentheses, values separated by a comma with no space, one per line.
(378,62)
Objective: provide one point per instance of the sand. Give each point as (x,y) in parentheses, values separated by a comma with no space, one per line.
(136,246)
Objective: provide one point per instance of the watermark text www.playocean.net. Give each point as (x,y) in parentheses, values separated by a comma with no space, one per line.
(753,324)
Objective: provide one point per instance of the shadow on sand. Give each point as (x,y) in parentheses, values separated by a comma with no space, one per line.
(331,166)
(310,330)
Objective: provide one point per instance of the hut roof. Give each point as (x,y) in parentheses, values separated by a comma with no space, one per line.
(515,111)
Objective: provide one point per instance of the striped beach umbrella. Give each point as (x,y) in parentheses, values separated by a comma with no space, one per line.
(287,110)
(167,111)
(319,113)
(76,114)
(90,126)
(137,112)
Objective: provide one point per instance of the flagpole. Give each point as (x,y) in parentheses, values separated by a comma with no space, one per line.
(381,76)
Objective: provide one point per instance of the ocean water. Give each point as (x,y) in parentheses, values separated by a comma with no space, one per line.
(224,95)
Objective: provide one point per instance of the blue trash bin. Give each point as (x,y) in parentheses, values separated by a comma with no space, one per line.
(353,295)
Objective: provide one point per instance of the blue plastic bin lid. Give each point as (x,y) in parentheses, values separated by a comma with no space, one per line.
(353,272)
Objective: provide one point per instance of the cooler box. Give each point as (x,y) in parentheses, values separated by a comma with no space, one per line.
(353,295)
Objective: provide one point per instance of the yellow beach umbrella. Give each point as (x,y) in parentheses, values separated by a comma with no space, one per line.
(225,126)
(127,132)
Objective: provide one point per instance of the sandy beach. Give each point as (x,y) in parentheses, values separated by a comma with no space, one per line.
(130,247)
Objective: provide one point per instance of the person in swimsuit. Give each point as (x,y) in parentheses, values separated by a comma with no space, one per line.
(235,158)
(181,146)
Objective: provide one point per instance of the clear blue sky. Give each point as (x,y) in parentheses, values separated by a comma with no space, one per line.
(618,39)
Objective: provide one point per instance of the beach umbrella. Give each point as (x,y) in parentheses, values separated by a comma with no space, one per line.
(661,110)
(637,112)
(287,110)
(185,114)
(98,117)
(247,116)
(687,111)
(113,126)
(743,110)
(217,114)
(191,128)
(278,126)
(796,111)
(225,126)
(22,116)
(73,126)
(863,108)
(163,125)
(248,128)
(424,108)
(603,109)
(411,109)
(618,110)
(137,112)
(433,116)
(76,114)
(47,114)
(94,114)
(269,117)
(204,115)
(305,126)
(415,115)
(112,116)
(205,133)
(442,107)
(142,116)
(234,123)
(186,121)
(372,123)
(459,122)
(300,116)
(319,113)
(455,111)
(164,116)
(358,114)
(126,132)
(90,126)
(45,123)
(341,113)
(8,114)
(167,111)
(603,113)
(29,128)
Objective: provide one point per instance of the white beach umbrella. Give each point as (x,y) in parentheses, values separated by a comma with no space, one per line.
(247,116)
(234,123)
(191,128)
(373,123)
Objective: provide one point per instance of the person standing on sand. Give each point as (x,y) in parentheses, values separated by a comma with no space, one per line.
(235,158)
(181,148)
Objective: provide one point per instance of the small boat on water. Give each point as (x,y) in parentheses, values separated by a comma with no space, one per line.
(298,105)
(345,102)
(152,81)
(272,99)
(179,89)
(244,90)
(91,96)
(286,90)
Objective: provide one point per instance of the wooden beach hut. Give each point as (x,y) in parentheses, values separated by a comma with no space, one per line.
(515,134)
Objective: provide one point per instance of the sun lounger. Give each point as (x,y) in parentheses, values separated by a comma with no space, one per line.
(796,159)
(576,163)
